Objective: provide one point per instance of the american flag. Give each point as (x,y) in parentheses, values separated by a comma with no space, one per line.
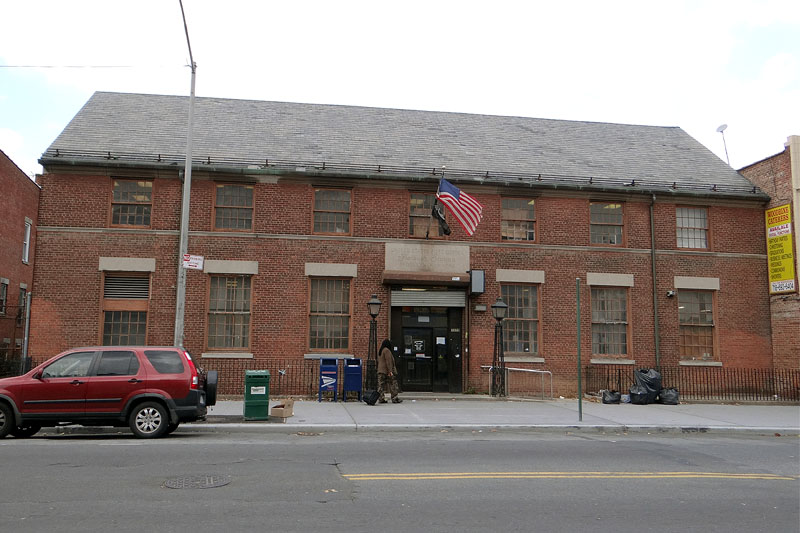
(464,207)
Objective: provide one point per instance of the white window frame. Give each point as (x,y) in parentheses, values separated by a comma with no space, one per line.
(26,242)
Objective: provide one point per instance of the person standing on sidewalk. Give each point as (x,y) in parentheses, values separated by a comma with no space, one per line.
(387,373)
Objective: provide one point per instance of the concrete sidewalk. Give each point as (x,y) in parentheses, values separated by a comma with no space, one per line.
(421,412)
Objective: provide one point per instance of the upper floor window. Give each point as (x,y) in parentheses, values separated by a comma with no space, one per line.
(329,314)
(3,295)
(519,220)
(696,318)
(692,227)
(521,325)
(131,203)
(332,211)
(609,320)
(606,222)
(233,207)
(26,241)
(421,223)
(229,312)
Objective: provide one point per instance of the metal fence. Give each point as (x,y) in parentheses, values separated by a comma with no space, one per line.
(294,377)
(521,382)
(705,383)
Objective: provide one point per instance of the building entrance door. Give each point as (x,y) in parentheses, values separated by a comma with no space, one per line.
(428,345)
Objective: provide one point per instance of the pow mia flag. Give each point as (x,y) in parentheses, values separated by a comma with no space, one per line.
(438,214)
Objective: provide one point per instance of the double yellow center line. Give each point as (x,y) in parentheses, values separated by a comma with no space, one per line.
(560,475)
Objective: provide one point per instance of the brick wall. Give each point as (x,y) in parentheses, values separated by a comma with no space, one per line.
(67,304)
(774,176)
(19,200)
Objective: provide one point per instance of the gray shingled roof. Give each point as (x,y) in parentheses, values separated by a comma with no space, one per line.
(246,130)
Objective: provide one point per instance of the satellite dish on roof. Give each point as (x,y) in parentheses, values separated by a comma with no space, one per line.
(722,128)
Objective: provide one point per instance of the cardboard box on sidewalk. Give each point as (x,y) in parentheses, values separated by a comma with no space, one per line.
(283,410)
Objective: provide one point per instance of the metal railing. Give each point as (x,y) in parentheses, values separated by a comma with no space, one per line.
(705,383)
(519,383)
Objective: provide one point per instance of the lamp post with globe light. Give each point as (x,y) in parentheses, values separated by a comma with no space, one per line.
(499,309)
(374,307)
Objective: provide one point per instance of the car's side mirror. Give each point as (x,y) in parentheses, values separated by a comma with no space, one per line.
(37,375)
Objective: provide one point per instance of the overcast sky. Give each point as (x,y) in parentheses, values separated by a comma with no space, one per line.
(694,64)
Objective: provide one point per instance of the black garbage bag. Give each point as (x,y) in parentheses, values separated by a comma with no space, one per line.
(650,379)
(668,396)
(639,395)
(611,396)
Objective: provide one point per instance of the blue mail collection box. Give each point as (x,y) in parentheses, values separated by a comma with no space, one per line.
(352,378)
(328,377)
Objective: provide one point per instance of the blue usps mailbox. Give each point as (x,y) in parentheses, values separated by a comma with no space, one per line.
(352,378)
(328,377)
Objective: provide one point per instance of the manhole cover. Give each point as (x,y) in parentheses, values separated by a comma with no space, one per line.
(206,481)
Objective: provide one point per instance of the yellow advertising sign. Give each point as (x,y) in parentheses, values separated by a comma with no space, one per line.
(779,249)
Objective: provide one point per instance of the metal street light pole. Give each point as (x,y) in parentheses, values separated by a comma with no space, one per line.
(374,306)
(180,297)
(499,309)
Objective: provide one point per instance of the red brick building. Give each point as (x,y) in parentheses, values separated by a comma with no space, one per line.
(302,212)
(19,203)
(779,176)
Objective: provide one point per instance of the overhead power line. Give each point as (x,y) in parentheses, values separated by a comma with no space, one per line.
(89,66)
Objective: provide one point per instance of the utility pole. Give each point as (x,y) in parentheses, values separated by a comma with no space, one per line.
(180,297)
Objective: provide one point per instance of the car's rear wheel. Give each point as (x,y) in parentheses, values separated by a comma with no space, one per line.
(6,420)
(23,432)
(170,428)
(149,420)
(212,379)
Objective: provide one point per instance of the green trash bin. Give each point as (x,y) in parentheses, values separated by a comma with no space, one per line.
(256,395)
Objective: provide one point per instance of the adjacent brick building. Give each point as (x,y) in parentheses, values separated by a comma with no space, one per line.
(303,212)
(779,176)
(19,204)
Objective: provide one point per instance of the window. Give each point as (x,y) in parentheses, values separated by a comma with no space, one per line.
(229,313)
(329,320)
(125,305)
(118,363)
(421,223)
(610,321)
(696,318)
(692,227)
(74,365)
(23,302)
(233,207)
(131,203)
(124,328)
(26,241)
(606,222)
(332,211)
(165,361)
(521,325)
(3,296)
(519,220)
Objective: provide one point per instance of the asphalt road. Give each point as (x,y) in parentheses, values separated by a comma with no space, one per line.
(409,481)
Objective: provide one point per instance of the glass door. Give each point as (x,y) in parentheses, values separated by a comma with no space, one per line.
(416,359)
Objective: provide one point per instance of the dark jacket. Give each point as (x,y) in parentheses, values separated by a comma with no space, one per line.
(386,361)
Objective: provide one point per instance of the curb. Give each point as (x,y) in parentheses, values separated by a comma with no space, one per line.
(318,429)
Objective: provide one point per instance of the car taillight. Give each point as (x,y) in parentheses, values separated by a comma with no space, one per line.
(195,379)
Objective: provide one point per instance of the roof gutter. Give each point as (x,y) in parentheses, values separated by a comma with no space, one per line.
(416,175)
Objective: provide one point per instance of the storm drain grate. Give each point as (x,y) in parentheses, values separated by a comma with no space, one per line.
(205,481)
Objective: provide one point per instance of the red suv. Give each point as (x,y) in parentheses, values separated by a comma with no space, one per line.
(150,389)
